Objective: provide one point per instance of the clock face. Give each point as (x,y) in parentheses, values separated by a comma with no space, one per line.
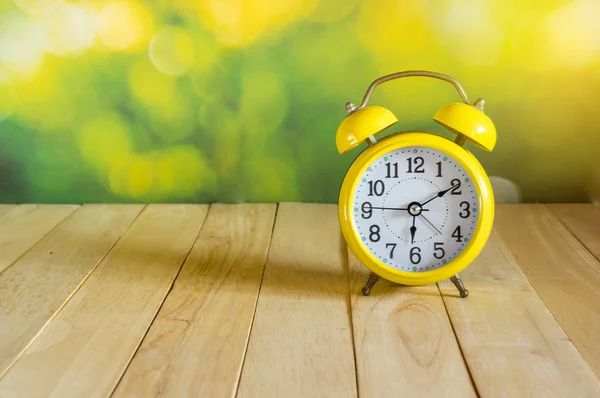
(415,209)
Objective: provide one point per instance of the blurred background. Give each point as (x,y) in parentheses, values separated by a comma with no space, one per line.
(239,101)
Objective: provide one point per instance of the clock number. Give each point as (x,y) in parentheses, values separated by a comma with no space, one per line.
(415,255)
(465,213)
(456,184)
(418,162)
(392,170)
(439,165)
(374,233)
(393,248)
(437,248)
(376,188)
(367,210)
(456,234)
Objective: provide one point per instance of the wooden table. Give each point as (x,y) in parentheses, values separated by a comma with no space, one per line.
(264,301)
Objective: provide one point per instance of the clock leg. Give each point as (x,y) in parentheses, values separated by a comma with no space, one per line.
(373,278)
(459,285)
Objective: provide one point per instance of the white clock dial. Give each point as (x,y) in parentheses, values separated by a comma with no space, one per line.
(415,209)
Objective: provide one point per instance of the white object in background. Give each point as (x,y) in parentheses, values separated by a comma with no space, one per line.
(505,191)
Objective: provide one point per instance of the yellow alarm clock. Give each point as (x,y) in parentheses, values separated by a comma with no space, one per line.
(416,207)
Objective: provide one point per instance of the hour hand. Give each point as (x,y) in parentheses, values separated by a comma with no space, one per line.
(413,230)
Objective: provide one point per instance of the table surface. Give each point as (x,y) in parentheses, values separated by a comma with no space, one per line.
(263,300)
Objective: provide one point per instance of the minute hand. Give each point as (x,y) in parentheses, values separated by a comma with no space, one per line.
(438,195)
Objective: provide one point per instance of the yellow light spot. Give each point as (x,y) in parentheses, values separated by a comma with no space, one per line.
(527,42)
(140,177)
(189,167)
(470,30)
(172,51)
(104,140)
(573,34)
(151,86)
(21,45)
(163,174)
(238,23)
(405,34)
(118,175)
(68,28)
(124,25)
(134,176)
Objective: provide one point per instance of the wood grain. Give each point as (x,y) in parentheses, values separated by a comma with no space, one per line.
(6,208)
(23,226)
(40,282)
(197,343)
(301,341)
(404,341)
(583,220)
(85,349)
(512,344)
(563,272)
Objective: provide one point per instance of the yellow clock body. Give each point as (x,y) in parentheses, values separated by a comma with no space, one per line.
(416,207)
(484,195)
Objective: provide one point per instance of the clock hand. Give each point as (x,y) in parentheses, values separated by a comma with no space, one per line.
(429,222)
(413,229)
(438,195)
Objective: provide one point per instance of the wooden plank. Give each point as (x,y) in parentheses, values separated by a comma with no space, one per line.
(24,226)
(301,341)
(85,349)
(197,343)
(512,344)
(404,341)
(583,220)
(562,271)
(6,208)
(40,282)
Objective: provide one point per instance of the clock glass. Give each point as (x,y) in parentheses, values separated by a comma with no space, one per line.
(415,209)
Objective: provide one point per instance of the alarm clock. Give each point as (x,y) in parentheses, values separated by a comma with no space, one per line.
(416,207)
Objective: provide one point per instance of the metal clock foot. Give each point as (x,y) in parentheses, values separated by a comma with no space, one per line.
(459,285)
(373,278)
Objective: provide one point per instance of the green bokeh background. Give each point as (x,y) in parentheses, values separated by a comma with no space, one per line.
(239,101)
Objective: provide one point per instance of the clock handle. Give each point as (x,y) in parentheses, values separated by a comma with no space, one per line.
(424,73)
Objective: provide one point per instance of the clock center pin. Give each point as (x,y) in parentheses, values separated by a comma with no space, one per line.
(414,209)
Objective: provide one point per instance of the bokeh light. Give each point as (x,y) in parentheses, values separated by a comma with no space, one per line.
(68,29)
(21,45)
(238,23)
(470,31)
(105,140)
(172,51)
(131,176)
(150,86)
(573,33)
(124,25)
